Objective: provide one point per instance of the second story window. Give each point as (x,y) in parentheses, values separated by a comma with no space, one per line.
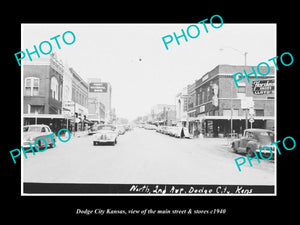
(32,86)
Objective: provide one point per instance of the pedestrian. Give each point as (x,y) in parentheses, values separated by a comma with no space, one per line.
(182,133)
(196,132)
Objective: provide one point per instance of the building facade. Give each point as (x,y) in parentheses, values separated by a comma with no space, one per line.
(79,99)
(43,91)
(220,107)
(96,110)
(191,111)
(67,103)
(181,104)
(43,83)
(163,114)
(100,100)
(105,98)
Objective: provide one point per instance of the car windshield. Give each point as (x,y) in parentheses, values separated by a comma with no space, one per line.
(265,137)
(109,128)
(32,129)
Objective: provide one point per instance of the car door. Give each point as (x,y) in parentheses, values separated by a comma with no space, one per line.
(45,132)
(244,140)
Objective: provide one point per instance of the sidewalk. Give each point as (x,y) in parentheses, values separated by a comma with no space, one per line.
(80,133)
(220,140)
(77,134)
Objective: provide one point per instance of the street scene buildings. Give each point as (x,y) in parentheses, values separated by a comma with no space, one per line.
(56,95)
(151,115)
(214,107)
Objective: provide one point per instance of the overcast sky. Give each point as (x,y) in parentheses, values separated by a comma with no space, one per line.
(111,52)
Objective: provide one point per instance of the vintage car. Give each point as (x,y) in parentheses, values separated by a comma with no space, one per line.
(105,134)
(93,129)
(120,129)
(33,132)
(254,140)
(176,131)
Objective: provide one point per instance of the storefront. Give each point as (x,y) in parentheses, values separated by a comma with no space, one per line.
(222,126)
(223,108)
(54,121)
(57,122)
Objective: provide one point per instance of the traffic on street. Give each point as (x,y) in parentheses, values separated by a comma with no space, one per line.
(145,119)
(144,156)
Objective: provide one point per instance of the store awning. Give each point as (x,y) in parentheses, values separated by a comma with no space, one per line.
(191,119)
(50,116)
(234,117)
(88,122)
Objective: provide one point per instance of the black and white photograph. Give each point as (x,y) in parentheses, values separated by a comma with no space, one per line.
(149,108)
(179,114)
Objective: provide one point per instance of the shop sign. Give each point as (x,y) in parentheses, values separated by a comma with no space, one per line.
(202,108)
(98,87)
(262,87)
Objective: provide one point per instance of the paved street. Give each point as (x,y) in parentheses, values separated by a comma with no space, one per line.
(145,156)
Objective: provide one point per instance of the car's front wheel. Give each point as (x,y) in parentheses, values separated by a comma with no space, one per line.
(40,146)
(52,144)
(250,152)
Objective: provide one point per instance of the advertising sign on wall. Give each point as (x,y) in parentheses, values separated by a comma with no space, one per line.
(98,87)
(261,87)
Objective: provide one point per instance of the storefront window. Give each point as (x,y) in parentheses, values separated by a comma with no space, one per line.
(259,112)
(227,112)
(39,109)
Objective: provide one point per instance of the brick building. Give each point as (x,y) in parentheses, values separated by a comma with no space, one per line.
(100,96)
(43,83)
(218,107)
(79,99)
(42,92)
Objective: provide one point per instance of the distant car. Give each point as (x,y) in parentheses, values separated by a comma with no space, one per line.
(105,134)
(232,135)
(253,140)
(150,127)
(93,129)
(163,129)
(121,130)
(33,132)
(175,131)
(128,127)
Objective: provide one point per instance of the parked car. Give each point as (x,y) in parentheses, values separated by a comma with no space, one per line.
(150,127)
(175,131)
(105,134)
(161,129)
(93,129)
(127,127)
(33,132)
(232,135)
(121,130)
(253,140)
